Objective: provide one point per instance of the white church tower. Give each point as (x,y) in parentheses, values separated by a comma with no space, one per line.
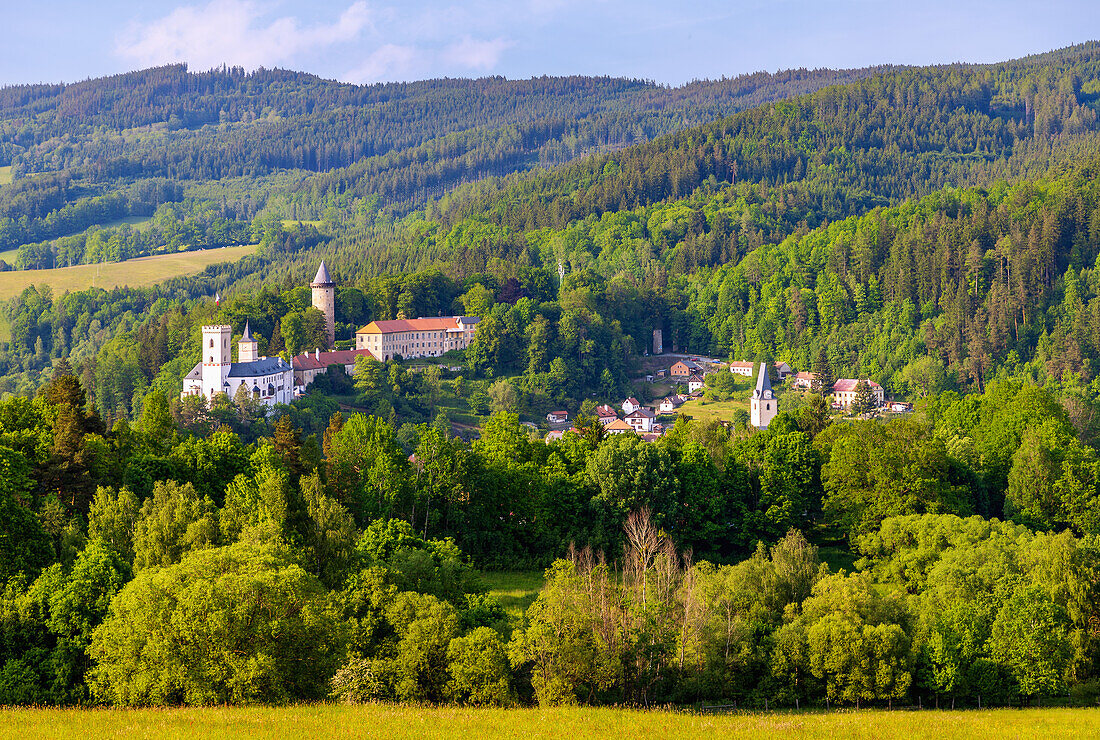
(217,358)
(248,349)
(764,405)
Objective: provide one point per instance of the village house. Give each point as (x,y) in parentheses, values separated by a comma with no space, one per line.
(557,417)
(844,392)
(631,405)
(423,337)
(641,420)
(605,414)
(783,370)
(803,380)
(695,383)
(899,407)
(683,369)
(618,427)
(670,404)
(740,367)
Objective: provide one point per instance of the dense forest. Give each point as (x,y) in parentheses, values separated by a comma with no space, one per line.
(936,230)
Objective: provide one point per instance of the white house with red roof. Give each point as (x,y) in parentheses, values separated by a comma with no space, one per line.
(844,392)
(741,367)
(606,414)
(631,405)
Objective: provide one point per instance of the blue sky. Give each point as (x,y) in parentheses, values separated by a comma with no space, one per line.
(374,40)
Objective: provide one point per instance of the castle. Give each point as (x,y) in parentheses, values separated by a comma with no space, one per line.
(269,380)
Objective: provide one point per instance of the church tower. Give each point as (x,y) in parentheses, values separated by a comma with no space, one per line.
(324,300)
(247,349)
(764,406)
(217,357)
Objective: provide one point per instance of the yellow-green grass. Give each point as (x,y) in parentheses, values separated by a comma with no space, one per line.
(515,590)
(133,273)
(5,175)
(389,721)
(9,256)
(699,410)
(136,222)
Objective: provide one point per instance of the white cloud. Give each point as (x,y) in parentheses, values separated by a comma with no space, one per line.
(475,54)
(388,62)
(233,32)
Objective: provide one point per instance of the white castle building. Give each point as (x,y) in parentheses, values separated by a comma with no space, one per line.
(269,380)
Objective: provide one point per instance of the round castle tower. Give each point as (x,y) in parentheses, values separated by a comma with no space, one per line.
(324,300)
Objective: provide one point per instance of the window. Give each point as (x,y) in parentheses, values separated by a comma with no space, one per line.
(211,344)
(767,407)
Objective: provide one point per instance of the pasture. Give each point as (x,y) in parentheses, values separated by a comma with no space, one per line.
(701,410)
(5,175)
(515,590)
(391,721)
(132,273)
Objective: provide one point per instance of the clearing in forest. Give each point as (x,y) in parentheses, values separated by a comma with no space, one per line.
(132,273)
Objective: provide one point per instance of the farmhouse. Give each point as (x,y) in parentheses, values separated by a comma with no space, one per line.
(631,405)
(844,392)
(670,404)
(269,380)
(683,369)
(557,417)
(740,367)
(423,337)
(803,380)
(605,414)
(695,383)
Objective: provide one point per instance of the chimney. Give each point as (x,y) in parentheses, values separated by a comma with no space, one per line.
(317,354)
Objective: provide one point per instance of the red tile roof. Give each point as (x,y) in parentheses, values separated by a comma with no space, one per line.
(310,360)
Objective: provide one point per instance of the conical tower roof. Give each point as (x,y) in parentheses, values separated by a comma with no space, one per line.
(763,382)
(247,333)
(322,277)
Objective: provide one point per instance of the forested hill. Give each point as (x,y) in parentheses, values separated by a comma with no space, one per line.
(171,122)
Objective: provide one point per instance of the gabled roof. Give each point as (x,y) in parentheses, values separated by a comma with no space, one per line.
(642,413)
(321,361)
(632,401)
(605,410)
(619,426)
(741,363)
(849,384)
(266,366)
(322,278)
(433,323)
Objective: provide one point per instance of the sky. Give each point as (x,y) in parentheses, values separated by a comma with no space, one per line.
(365,41)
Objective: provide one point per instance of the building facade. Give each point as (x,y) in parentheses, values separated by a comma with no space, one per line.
(309,365)
(844,392)
(423,337)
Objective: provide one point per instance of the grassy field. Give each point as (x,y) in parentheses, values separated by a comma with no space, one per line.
(137,222)
(515,590)
(9,256)
(380,720)
(721,410)
(5,175)
(132,273)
